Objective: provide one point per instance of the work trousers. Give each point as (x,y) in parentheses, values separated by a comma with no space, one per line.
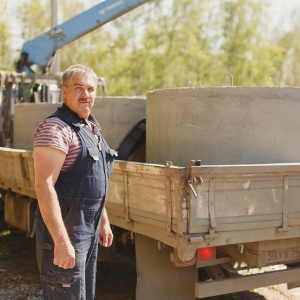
(82,221)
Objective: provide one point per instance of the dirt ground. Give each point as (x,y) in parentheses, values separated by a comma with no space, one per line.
(19,278)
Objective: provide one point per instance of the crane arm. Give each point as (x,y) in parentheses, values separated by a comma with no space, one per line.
(41,50)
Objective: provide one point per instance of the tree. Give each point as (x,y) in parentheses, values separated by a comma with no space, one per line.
(35,16)
(288,39)
(5,42)
(5,47)
(166,43)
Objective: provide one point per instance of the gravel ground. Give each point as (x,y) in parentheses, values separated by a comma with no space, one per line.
(19,278)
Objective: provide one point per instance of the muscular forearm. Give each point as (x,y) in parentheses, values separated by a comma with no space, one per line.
(104,219)
(106,235)
(51,213)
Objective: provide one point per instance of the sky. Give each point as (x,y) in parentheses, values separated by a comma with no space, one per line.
(283,8)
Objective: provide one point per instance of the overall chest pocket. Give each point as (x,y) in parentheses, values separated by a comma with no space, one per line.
(95,166)
(110,154)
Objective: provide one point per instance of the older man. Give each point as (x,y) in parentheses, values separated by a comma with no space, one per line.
(73,164)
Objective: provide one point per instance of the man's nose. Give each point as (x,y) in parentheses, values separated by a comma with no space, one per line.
(85,92)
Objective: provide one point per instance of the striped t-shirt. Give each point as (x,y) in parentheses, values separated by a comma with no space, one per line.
(55,133)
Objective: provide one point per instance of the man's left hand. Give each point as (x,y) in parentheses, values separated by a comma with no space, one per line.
(106,236)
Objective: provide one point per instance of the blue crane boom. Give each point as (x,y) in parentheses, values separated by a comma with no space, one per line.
(41,50)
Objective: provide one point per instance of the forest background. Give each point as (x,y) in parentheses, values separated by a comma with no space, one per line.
(170,43)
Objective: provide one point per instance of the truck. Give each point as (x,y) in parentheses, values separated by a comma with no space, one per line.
(206,186)
(198,229)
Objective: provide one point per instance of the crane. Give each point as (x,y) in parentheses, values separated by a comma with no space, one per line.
(41,50)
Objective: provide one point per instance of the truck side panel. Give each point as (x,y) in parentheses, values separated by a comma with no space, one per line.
(234,204)
(150,199)
(237,204)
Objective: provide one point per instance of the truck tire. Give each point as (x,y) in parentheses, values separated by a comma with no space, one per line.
(133,146)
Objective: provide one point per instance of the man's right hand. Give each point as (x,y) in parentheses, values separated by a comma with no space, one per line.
(64,255)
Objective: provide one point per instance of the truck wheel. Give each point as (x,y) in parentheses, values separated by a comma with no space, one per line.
(132,147)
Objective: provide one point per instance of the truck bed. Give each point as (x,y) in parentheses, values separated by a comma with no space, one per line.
(188,207)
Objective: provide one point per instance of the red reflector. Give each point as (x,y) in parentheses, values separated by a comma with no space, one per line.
(206,254)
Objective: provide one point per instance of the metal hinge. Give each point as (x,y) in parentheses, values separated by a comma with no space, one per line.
(285,205)
(193,180)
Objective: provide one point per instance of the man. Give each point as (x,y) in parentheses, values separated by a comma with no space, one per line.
(72,164)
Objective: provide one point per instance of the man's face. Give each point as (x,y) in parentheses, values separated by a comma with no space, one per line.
(80,94)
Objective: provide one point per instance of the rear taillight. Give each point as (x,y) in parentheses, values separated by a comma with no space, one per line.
(206,254)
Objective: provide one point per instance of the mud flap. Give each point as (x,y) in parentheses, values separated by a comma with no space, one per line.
(157,276)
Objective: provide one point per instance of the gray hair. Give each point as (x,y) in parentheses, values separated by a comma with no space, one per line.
(77,69)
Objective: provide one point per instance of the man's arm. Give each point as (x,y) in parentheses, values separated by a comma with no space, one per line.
(47,165)
(106,235)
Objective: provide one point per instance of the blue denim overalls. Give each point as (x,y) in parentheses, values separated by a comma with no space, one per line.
(81,192)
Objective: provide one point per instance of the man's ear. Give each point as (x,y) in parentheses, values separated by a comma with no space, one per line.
(65,89)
